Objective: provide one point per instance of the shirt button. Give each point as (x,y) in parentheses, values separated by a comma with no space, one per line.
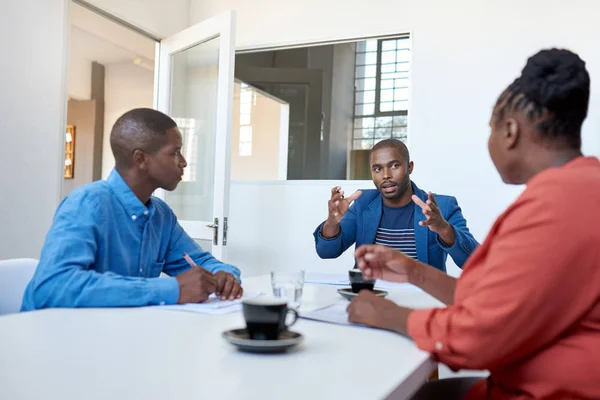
(133,217)
(162,303)
(140,270)
(146,212)
(438,346)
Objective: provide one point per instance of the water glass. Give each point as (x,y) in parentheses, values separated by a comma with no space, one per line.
(288,285)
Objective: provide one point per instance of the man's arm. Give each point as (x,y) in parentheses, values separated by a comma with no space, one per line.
(513,310)
(464,242)
(181,243)
(63,277)
(335,246)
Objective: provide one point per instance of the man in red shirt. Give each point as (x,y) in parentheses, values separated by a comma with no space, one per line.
(527,306)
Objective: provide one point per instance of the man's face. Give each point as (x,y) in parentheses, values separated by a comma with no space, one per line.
(390,172)
(165,166)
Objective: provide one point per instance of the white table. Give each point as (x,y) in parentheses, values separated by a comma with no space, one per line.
(149,353)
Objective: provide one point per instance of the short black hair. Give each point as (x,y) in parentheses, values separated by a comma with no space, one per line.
(554,84)
(141,128)
(394,144)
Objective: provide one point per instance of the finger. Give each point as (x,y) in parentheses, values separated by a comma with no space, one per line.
(426,208)
(239,291)
(221,280)
(370,248)
(426,222)
(336,197)
(354,196)
(227,289)
(335,190)
(234,290)
(418,201)
(434,207)
(431,198)
(371,273)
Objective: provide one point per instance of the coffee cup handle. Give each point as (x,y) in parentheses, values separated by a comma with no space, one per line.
(291,310)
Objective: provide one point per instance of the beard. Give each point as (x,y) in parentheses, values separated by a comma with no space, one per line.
(395,190)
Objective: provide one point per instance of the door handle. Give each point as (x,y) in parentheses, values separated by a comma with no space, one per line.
(215,227)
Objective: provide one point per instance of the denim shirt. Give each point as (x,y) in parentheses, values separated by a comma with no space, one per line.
(107,249)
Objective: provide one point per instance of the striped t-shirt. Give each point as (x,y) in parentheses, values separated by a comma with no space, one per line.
(396,229)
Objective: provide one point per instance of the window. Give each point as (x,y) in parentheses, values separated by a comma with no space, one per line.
(381,91)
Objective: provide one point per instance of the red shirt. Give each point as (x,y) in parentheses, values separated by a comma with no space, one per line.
(527,306)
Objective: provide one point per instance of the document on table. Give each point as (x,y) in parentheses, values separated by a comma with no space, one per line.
(213,306)
(324,278)
(334,313)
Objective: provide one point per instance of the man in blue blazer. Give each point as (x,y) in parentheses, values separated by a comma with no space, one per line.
(397,214)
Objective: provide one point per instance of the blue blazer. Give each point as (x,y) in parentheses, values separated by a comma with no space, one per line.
(359,225)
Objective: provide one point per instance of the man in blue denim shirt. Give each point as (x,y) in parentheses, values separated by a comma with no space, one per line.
(110,240)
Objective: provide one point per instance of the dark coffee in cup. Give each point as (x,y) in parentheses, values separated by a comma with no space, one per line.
(265,317)
(357,281)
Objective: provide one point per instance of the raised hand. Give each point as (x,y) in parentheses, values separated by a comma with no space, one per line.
(434,219)
(338,205)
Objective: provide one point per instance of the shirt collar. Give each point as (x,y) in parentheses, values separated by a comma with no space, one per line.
(133,206)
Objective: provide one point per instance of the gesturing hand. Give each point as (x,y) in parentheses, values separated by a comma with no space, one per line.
(382,262)
(195,285)
(228,287)
(434,219)
(338,205)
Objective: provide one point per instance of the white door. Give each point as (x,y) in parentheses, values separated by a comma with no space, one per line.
(194,85)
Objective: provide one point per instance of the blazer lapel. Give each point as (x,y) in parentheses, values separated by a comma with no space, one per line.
(421,232)
(371,219)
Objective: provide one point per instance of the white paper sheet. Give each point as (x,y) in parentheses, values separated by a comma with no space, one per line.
(326,278)
(342,280)
(334,313)
(385,285)
(213,306)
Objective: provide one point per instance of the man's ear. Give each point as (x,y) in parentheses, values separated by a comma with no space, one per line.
(411,165)
(511,133)
(140,159)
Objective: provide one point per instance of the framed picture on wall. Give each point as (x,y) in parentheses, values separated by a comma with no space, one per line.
(70,152)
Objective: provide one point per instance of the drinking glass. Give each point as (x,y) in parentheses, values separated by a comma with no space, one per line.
(288,285)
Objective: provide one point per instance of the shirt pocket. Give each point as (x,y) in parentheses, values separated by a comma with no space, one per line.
(155,269)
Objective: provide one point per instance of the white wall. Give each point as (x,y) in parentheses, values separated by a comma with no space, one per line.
(79,76)
(159,17)
(271,225)
(33,44)
(126,86)
(464,54)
